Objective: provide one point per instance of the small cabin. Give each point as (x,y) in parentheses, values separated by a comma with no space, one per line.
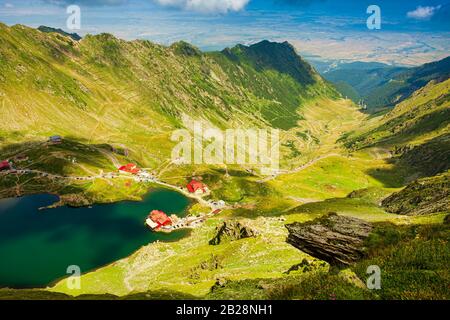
(130,168)
(197,187)
(158,219)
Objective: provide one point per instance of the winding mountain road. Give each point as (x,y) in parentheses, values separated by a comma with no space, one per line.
(301,168)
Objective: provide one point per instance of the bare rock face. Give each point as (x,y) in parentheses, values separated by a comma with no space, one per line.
(230,231)
(335,239)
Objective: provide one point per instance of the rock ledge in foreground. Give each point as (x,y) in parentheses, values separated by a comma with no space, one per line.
(338,240)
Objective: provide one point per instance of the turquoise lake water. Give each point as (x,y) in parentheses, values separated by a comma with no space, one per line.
(37,246)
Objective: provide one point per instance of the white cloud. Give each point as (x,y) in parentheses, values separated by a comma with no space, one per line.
(206,6)
(423,13)
(9,5)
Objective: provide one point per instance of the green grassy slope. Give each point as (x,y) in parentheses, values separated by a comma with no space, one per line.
(103,90)
(414,137)
(101,93)
(275,73)
(412,260)
(416,131)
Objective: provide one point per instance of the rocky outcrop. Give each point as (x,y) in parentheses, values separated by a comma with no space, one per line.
(232,230)
(424,196)
(335,239)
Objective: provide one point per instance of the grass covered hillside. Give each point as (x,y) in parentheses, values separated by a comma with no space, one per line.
(415,138)
(112,85)
(415,132)
(412,250)
(271,71)
(117,101)
(102,93)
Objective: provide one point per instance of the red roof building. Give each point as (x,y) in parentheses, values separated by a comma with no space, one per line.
(4,165)
(160,218)
(194,186)
(130,168)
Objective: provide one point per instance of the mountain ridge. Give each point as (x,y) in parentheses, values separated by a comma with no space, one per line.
(103,89)
(115,101)
(385,86)
(73,36)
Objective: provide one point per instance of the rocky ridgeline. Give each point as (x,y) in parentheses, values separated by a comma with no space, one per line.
(424,196)
(335,239)
(232,230)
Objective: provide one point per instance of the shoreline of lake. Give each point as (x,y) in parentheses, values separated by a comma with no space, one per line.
(105,236)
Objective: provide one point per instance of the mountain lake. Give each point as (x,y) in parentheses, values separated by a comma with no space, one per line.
(37,246)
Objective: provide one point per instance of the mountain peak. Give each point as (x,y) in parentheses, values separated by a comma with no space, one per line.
(279,56)
(186,49)
(270,44)
(73,36)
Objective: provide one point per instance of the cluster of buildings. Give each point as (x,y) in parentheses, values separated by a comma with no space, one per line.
(197,187)
(194,187)
(130,168)
(158,220)
(141,175)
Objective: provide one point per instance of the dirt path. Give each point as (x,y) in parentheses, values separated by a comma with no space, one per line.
(304,200)
(110,156)
(301,168)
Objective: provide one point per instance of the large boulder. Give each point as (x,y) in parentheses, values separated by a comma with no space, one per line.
(336,239)
(230,231)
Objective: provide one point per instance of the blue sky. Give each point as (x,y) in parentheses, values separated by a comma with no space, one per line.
(412,32)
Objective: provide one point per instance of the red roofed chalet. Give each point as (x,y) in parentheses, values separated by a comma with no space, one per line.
(196,187)
(160,218)
(4,165)
(130,168)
